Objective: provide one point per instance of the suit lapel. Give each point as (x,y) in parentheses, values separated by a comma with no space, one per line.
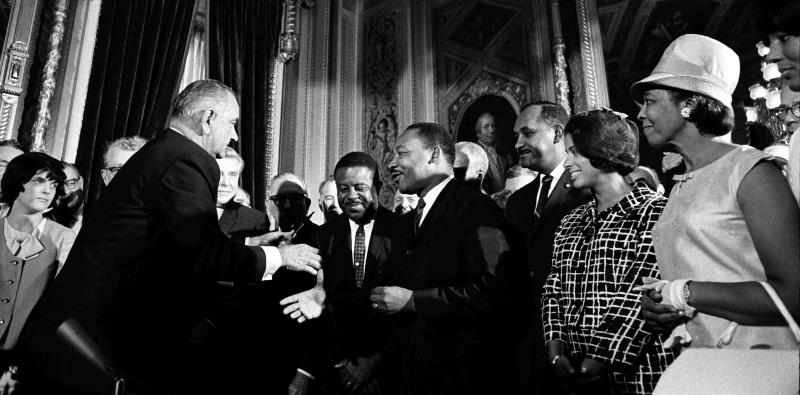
(555,198)
(435,212)
(344,250)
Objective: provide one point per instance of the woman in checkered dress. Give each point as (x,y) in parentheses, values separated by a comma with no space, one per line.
(593,327)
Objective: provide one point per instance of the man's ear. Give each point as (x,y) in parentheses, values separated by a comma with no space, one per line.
(558,132)
(208,115)
(437,152)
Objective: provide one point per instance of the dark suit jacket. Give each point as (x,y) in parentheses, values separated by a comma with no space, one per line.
(239,222)
(260,346)
(358,329)
(452,265)
(350,328)
(138,274)
(538,242)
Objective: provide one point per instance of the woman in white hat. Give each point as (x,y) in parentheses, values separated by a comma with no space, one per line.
(730,222)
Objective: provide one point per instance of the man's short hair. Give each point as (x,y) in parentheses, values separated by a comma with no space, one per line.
(325,182)
(360,159)
(231,153)
(552,114)
(199,96)
(72,166)
(476,156)
(276,182)
(432,135)
(22,168)
(13,143)
(478,120)
(133,143)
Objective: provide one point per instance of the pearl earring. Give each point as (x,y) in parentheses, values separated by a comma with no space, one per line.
(686,112)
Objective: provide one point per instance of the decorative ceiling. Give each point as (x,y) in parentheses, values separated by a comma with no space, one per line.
(636,32)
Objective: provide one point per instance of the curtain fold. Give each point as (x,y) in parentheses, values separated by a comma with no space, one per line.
(136,68)
(243,41)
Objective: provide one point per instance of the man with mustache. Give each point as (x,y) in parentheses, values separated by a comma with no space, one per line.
(446,290)
(536,210)
(68,210)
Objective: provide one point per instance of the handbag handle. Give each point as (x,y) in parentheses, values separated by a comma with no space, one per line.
(784,311)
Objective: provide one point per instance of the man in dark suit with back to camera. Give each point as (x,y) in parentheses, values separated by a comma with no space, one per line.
(138,276)
(535,210)
(443,282)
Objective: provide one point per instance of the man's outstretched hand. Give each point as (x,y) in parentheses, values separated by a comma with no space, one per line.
(300,257)
(306,305)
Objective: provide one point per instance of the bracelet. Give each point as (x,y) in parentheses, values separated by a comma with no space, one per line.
(555,360)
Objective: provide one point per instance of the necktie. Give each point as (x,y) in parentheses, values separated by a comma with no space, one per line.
(418,215)
(358,256)
(544,188)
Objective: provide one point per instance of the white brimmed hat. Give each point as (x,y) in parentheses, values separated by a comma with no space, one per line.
(697,64)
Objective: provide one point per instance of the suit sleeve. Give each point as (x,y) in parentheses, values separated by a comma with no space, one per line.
(478,290)
(186,199)
(552,315)
(621,337)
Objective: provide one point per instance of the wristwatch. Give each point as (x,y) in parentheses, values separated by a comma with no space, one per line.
(686,292)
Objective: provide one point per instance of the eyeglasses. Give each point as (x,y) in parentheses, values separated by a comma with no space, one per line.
(794,109)
(72,183)
(291,197)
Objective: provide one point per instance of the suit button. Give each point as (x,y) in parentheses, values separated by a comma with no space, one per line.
(15,263)
(5,300)
(2,322)
(409,252)
(9,281)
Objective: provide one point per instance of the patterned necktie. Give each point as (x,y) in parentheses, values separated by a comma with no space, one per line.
(418,215)
(544,188)
(358,256)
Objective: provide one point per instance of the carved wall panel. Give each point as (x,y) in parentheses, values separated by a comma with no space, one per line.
(489,48)
(382,62)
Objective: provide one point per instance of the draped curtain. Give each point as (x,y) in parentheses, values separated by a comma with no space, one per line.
(243,40)
(136,69)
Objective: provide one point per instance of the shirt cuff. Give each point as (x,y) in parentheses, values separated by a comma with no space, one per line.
(304,373)
(274,261)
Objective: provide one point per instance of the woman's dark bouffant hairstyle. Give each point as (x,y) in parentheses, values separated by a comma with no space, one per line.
(773,16)
(710,115)
(606,139)
(22,168)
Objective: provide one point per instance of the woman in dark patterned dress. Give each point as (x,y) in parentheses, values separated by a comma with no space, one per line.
(593,327)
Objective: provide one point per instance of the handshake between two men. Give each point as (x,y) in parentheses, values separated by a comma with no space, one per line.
(308,304)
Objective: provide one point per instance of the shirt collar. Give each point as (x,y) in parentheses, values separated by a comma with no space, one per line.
(431,196)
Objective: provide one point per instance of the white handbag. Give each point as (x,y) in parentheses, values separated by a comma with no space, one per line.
(736,371)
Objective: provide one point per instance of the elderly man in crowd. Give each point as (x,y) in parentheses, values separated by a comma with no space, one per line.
(138,276)
(328,204)
(536,210)
(117,154)
(471,164)
(68,209)
(443,282)
(236,220)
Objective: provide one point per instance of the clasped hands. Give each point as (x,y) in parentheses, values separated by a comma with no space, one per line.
(391,300)
(580,372)
(663,306)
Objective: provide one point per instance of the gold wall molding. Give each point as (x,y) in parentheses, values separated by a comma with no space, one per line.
(49,77)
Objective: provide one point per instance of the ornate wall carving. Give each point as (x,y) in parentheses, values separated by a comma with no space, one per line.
(382,67)
(14,66)
(49,78)
(486,84)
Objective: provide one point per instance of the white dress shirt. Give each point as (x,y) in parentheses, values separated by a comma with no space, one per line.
(557,172)
(367,235)
(431,197)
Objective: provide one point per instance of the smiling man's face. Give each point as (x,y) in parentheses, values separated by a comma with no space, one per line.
(536,141)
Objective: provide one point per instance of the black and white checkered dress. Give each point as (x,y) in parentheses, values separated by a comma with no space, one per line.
(588,300)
